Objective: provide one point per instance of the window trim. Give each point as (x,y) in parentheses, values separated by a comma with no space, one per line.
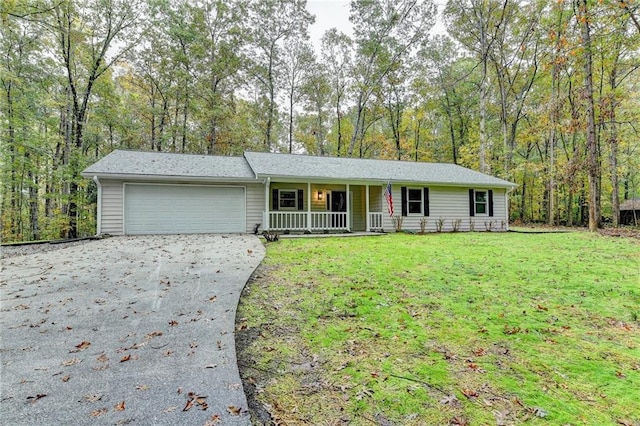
(408,201)
(281,199)
(485,203)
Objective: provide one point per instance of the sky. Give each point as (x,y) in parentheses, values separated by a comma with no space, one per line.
(335,13)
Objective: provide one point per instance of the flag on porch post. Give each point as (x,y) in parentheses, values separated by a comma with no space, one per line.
(389,197)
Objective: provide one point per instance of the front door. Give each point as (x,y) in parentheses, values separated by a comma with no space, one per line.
(338,205)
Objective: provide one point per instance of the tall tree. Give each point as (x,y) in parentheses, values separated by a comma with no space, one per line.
(583,17)
(298,62)
(271,23)
(387,32)
(90,36)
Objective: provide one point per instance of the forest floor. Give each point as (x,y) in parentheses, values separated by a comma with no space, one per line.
(450,329)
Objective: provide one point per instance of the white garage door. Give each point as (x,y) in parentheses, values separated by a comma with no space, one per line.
(183,209)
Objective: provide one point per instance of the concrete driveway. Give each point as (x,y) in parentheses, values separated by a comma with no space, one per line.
(126,330)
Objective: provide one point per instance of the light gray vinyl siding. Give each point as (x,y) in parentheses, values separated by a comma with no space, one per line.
(112,204)
(451,204)
(358,205)
(255,205)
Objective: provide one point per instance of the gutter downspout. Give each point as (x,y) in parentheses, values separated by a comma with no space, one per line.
(99,207)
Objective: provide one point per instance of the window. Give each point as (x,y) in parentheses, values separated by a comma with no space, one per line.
(481,203)
(288,199)
(414,201)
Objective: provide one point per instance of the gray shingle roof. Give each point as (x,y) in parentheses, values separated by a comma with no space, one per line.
(291,166)
(162,164)
(632,204)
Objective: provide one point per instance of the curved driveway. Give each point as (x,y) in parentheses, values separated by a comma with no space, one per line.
(125,330)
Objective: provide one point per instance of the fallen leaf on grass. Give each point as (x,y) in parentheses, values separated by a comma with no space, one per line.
(469,393)
(233,410)
(479,352)
(625,422)
(459,421)
(542,308)
(119,407)
(33,399)
(620,375)
(450,400)
(98,413)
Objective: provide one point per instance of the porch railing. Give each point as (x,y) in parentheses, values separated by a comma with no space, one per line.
(319,221)
(328,220)
(292,221)
(375,221)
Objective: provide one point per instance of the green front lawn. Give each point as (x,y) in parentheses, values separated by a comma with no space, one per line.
(456,328)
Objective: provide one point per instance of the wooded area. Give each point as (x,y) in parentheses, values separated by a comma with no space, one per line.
(542,93)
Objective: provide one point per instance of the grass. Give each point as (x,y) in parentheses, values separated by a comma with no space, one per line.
(457,328)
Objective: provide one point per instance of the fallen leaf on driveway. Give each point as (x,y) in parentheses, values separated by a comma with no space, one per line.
(173,322)
(125,358)
(213,298)
(70,362)
(93,397)
(33,399)
(214,420)
(98,413)
(102,358)
(119,406)
(82,346)
(66,378)
(188,406)
(233,410)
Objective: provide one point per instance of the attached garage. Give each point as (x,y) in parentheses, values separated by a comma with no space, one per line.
(183,209)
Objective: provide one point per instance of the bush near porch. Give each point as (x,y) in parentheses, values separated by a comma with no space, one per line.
(459,328)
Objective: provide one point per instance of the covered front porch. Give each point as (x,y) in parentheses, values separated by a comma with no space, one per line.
(322,207)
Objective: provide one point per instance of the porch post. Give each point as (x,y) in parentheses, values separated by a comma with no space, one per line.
(366,210)
(348,210)
(309,206)
(267,189)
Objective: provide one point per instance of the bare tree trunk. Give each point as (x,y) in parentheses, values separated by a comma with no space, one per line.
(593,166)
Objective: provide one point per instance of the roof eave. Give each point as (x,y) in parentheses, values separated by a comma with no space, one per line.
(173,178)
(322,179)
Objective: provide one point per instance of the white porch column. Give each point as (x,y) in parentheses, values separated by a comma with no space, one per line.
(309,206)
(348,210)
(267,189)
(366,210)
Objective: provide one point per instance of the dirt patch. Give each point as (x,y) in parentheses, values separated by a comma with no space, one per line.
(621,232)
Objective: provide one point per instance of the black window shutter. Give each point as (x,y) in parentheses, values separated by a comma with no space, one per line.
(491,202)
(403,199)
(274,199)
(472,207)
(425,201)
(300,199)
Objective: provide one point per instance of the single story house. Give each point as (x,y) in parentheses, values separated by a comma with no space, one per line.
(630,212)
(158,193)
